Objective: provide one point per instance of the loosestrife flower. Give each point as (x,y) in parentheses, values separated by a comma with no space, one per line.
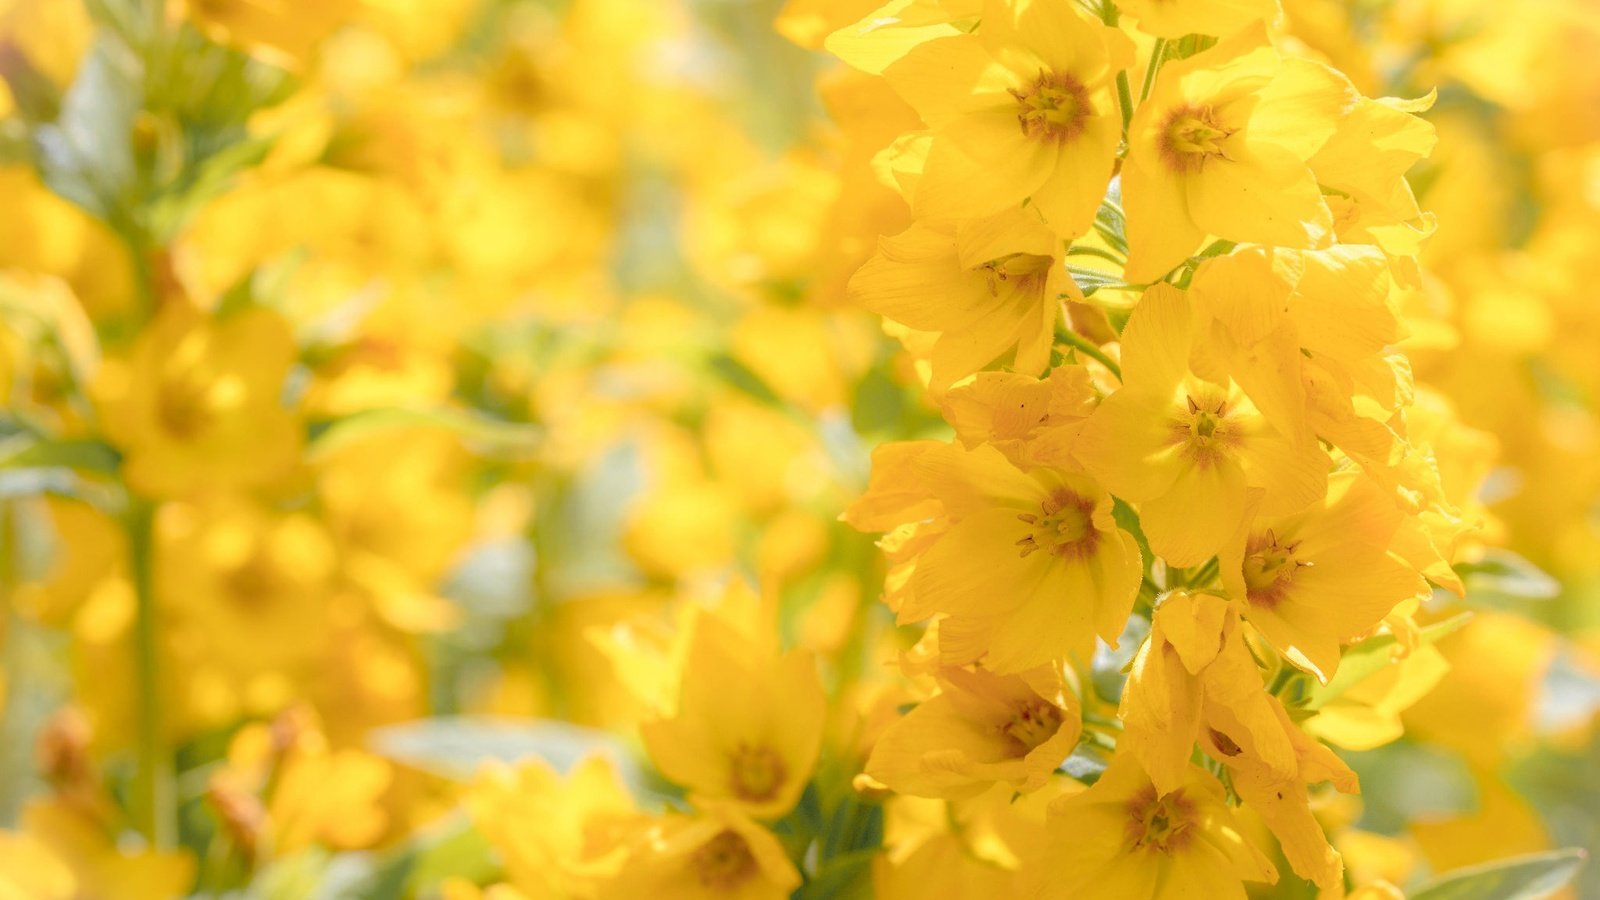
(1183,440)
(748,723)
(1222,146)
(1031,567)
(1024,109)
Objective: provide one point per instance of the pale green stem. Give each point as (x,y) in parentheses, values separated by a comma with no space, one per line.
(154,797)
(1081,344)
(1156,54)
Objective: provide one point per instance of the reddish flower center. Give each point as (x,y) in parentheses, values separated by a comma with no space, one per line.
(1054,108)
(756,773)
(1190,136)
(1065,528)
(1165,823)
(723,862)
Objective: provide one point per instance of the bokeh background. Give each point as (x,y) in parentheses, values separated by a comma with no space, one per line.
(536,312)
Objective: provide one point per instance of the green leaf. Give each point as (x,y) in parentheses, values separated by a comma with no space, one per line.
(736,374)
(1128,520)
(489,436)
(1109,220)
(83,455)
(1517,878)
(846,877)
(295,876)
(1367,658)
(455,849)
(456,746)
(856,825)
(1404,782)
(87,154)
(1091,280)
(1564,787)
(208,92)
(1504,576)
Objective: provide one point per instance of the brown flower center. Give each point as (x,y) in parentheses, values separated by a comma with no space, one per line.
(185,405)
(1205,429)
(253,583)
(1032,725)
(756,773)
(1269,568)
(1054,108)
(1160,823)
(1065,528)
(1190,136)
(1024,273)
(723,862)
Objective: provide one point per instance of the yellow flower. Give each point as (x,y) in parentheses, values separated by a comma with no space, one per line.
(1309,337)
(250,587)
(1474,700)
(1322,576)
(198,403)
(941,866)
(1279,795)
(1031,421)
(1163,702)
(1362,171)
(985,286)
(1368,714)
(748,726)
(309,792)
(1032,567)
(966,848)
(1501,823)
(1196,679)
(719,853)
(30,871)
(1184,441)
(47,235)
(394,506)
(1123,839)
(1177,18)
(284,33)
(648,652)
(1024,109)
(980,729)
(559,836)
(887,33)
(63,853)
(1220,147)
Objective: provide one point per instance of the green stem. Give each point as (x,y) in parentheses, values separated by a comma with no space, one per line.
(1282,677)
(155,797)
(1157,54)
(14,757)
(1125,100)
(1081,344)
(1109,723)
(1202,576)
(1108,15)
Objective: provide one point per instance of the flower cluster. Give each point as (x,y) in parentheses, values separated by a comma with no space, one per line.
(1166,325)
(520,449)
